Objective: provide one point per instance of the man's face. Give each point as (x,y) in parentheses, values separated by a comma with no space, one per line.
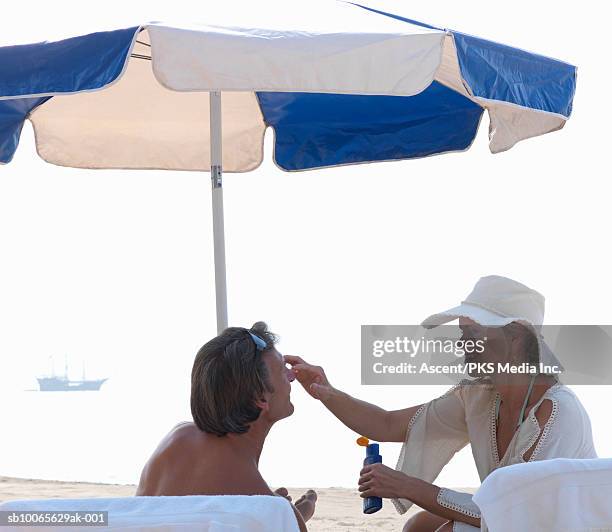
(280,378)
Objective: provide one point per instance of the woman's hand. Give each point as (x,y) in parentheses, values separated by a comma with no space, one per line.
(378,480)
(312,378)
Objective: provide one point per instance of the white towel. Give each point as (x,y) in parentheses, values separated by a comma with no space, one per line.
(561,495)
(223,513)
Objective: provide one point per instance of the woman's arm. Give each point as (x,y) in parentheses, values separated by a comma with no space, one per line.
(364,418)
(378,480)
(367,419)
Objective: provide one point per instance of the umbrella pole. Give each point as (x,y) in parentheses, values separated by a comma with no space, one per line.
(216,170)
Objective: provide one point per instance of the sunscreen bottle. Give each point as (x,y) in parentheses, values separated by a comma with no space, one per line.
(370,504)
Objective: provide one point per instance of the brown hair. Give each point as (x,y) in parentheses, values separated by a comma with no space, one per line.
(228,376)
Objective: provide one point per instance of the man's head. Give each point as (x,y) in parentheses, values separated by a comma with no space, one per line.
(234,383)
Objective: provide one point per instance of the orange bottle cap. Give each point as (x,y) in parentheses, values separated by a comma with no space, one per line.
(363,441)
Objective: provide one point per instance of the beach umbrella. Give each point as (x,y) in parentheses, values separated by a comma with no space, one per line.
(362,86)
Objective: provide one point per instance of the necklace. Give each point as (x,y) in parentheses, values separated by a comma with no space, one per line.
(525,403)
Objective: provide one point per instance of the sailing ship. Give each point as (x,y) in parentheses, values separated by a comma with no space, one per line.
(61,383)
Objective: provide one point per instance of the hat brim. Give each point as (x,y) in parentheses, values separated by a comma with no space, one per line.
(487,318)
(481,316)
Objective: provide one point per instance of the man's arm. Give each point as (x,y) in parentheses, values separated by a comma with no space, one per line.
(147,484)
(364,418)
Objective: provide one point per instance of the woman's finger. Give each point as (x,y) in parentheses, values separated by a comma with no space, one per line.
(293,360)
(300,367)
(364,478)
(368,482)
(364,487)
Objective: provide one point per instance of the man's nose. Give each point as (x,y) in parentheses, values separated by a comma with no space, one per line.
(290,374)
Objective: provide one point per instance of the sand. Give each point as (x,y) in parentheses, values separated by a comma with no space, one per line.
(338,509)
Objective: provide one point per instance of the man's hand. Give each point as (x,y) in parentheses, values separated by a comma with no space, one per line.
(378,480)
(282,492)
(312,378)
(305,504)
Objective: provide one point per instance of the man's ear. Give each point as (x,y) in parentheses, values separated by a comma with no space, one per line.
(263,404)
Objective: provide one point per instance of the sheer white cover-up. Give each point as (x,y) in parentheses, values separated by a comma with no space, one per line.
(466,414)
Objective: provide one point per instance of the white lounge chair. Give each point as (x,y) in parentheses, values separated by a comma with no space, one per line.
(227,513)
(551,495)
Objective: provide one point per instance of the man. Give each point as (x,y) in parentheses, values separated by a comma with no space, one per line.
(240,387)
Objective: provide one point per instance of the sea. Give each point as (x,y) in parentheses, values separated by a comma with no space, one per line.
(107,436)
(98,436)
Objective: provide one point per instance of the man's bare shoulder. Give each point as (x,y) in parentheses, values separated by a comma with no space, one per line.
(189,461)
(185,432)
(172,450)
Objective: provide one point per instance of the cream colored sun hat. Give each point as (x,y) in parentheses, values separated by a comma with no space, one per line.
(496,301)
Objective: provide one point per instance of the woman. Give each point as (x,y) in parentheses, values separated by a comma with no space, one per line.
(507,417)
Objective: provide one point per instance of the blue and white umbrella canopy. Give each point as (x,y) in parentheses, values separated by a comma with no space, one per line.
(181,97)
(388,88)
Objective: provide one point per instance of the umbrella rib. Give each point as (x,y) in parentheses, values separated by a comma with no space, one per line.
(139,56)
(143,43)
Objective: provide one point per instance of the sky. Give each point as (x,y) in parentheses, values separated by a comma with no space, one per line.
(115,268)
